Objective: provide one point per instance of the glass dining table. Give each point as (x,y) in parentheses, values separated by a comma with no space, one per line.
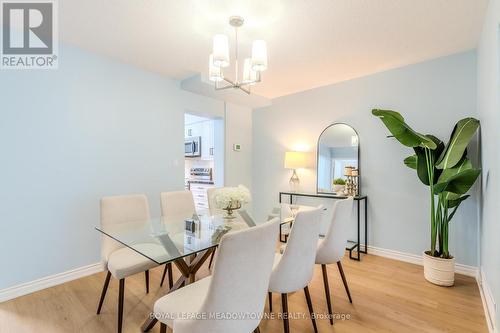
(185,241)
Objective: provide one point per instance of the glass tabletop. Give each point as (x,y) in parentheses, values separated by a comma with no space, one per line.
(167,239)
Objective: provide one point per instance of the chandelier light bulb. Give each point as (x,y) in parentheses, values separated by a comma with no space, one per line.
(259,56)
(220,51)
(214,72)
(249,75)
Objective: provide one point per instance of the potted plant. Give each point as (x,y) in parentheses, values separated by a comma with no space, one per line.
(448,173)
(338,185)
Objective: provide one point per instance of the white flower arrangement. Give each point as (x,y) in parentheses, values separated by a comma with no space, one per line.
(232,197)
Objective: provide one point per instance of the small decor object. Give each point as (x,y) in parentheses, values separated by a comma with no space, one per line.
(448,173)
(351,186)
(295,160)
(231,198)
(339,185)
(190,225)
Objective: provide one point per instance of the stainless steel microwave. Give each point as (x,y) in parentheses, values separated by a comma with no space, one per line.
(192,146)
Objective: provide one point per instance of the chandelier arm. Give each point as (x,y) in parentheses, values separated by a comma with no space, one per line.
(224,87)
(244,89)
(229,81)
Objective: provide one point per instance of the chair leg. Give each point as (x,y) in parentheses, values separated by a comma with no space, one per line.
(146,275)
(211,259)
(104,290)
(310,306)
(284,304)
(339,264)
(120,304)
(168,268)
(270,301)
(163,328)
(327,292)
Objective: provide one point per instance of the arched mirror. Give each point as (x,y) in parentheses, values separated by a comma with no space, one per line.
(338,160)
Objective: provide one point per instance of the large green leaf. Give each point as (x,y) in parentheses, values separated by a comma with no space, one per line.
(454,204)
(459,140)
(401,131)
(457,202)
(459,183)
(422,170)
(411,161)
(464,164)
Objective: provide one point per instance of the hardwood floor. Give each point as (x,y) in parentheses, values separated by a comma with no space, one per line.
(388,296)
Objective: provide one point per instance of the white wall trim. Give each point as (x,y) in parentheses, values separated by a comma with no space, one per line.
(417,259)
(48,281)
(488,300)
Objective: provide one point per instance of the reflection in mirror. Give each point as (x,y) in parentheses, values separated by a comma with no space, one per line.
(338,148)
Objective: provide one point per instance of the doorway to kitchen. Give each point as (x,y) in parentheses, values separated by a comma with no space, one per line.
(204,156)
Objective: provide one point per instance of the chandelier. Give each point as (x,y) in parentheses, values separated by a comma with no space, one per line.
(219,59)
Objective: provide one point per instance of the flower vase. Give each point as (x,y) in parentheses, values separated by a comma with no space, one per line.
(230,210)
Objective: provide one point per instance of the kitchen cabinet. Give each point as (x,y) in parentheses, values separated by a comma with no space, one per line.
(207,140)
(205,130)
(200,195)
(194,129)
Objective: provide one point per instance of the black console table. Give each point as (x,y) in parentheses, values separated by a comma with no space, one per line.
(351,245)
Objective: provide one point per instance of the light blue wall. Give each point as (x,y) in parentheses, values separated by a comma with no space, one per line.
(432,95)
(92,128)
(488,96)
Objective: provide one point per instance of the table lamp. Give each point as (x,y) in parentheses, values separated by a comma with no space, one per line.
(295,160)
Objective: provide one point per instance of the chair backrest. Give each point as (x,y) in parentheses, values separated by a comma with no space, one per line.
(239,282)
(177,203)
(247,218)
(121,209)
(295,269)
(332,247)
(211,197)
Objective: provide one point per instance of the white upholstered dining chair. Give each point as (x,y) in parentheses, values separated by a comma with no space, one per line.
(211,197)
(331,249)
(238,285)
(121,261)
(175,204)
(293,270)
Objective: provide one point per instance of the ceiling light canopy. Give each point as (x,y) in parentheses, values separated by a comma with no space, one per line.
(220,58)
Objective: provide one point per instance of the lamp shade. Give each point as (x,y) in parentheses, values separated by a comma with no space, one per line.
(296,160)
(221,51)
(259,56)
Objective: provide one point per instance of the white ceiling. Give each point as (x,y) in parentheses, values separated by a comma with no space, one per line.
(310,42)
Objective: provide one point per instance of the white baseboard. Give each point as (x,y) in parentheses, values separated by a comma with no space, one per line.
(49,281)
(488,300)
(417,259)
